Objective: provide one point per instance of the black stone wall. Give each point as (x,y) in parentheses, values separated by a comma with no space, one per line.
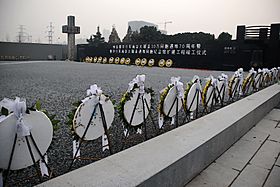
(32,51)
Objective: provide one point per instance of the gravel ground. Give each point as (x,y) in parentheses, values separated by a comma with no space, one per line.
(59,84)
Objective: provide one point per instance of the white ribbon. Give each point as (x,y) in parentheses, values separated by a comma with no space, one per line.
(274,71)
(265,70)
(126,133)
(139,80)
(173,120)
(160,120)
(43,166)
(94,90)
(105,144)
(213,81)
(252,71)
(179,86)
(18,107)
(223,77)
(139,131)
(22,129)
(75,147)
(239,75)
(197,79)
(191,115)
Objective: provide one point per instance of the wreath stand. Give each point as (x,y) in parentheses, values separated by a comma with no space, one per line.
(144,104)
(259,81)
(188,112)
(176,100)
(235,89)
(213,93)
(221,91)
(250,83)
(31,155)
(84,134)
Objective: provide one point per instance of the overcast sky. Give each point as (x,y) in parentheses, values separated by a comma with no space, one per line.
(212,16)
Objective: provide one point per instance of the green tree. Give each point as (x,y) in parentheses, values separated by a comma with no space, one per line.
(96,39)
(190,37)
(150,34)
(225,36)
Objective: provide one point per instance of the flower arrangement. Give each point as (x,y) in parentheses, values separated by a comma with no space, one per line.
(169,63)
(104,61)
(230,85)
(204,92)
(126,97)
(162,98)
(137,61)
(195,79)
(249,80)
(111,60)
(161,63)
(99,60)
(117,60)
(189,85)
(151,62)
(95,59)
(127,61)
(36,107)
(143,61)
(122,60)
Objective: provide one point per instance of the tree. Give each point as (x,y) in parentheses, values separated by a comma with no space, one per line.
(190,37)
(96,39)
(114,37)
(127,38)
(225,36)
(150,34)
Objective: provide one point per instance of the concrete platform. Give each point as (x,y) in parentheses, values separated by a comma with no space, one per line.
(177,156)
(252,161)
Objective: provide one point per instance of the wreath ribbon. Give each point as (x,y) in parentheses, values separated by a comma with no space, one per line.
(139,80)
(18,107)
(96,91)
(178,85)
(239,74)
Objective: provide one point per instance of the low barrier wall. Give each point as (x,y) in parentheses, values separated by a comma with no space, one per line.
(174,158)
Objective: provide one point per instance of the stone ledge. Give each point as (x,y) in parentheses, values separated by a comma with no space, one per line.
(174,158)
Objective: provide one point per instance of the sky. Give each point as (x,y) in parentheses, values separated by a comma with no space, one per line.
(211,16)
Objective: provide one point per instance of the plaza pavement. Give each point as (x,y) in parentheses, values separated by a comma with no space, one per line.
(252,161)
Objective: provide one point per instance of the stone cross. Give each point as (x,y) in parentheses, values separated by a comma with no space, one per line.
(71,30)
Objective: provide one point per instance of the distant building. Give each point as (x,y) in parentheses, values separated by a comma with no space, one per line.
(136,25)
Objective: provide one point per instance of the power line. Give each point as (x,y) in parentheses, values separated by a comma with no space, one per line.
(29,38)
(50,33)
(21,33)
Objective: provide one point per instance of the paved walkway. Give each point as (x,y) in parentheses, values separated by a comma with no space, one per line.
(252,161)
